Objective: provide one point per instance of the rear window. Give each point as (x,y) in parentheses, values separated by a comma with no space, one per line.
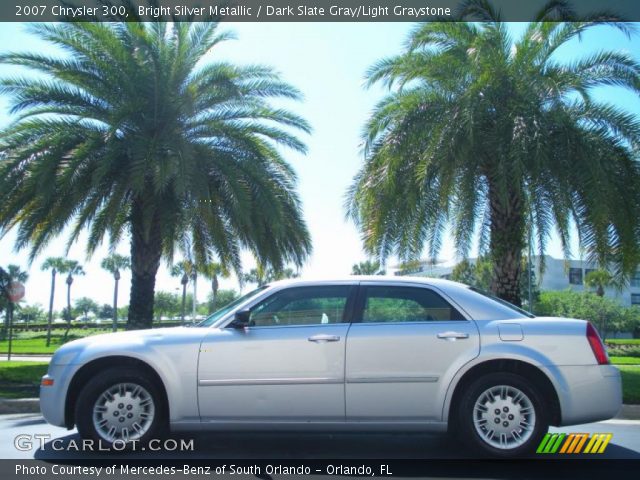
(502,302)
(387,304)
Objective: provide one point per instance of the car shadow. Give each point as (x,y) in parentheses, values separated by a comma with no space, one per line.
(268,446)
(299,446)
(27,421)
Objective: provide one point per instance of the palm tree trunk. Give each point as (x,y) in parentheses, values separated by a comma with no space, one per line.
(50,319)
(146,251)
(9,316)
(507,242)
(66,332)
(195,301)
(184,301)
(115,306)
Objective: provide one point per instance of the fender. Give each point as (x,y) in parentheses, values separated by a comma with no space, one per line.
(521,353)
(175,363)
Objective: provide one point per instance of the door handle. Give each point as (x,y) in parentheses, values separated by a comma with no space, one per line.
(452,336)
(324,338)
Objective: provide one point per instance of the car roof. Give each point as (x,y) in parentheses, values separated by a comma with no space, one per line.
(438,282)
(478,306)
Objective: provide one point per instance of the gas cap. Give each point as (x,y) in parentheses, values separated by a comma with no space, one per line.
(510,332)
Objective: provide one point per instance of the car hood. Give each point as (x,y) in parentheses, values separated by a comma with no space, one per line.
(129,340)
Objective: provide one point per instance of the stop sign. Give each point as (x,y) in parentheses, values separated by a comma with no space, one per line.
(15,291)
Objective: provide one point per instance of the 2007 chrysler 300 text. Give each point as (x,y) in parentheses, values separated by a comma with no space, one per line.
(361,353)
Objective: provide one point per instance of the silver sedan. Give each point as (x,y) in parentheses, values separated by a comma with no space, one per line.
(363,353)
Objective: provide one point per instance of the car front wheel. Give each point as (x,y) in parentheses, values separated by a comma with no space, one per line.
(502,415)
(118,407)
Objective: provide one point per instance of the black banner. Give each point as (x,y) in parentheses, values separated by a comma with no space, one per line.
(310,10)
(277,468)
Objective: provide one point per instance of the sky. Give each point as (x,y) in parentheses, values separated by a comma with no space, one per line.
(327,62)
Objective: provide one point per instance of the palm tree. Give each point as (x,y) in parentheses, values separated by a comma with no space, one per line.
(13,273)
(261,275)
(30,313)
(4,300)
(86,305)
(212,271)
(367,267)
(133,132)
(282,274)
(495,136)
(114,264)
(56,265)
(599,279)
(166,304)
(258,275)
(73,269)
(183,270)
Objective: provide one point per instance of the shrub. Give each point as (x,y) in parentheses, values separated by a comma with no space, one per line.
(606,314)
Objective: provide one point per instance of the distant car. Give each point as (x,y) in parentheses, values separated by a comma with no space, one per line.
(364,353)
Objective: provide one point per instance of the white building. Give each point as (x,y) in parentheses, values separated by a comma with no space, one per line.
(559,274)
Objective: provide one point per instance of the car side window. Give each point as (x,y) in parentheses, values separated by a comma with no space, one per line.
(406,304)
(302,306)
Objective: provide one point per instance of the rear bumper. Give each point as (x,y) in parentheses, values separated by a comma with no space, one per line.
(589,393)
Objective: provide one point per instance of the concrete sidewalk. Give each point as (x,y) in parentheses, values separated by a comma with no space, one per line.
(26,358)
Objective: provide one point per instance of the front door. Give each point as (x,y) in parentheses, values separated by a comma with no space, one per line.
(288,365)
(404,346)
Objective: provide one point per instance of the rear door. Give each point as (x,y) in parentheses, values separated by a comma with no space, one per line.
(406,343)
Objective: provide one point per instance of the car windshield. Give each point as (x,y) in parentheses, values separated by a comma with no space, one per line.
(502,302)
(218,314)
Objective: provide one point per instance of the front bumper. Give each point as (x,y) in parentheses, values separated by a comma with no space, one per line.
(53,397)
(590,393)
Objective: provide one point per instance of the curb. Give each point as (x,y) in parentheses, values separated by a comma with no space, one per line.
(18,354)
(629,412)
(19,405)
(32,405)
(35,356)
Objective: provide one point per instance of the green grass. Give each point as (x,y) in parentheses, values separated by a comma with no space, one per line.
(625,360)
(624,341)
(21,379)
(630,384)
(36,342)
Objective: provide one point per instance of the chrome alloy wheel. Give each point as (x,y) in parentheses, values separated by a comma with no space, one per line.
(123,412)
(504,417)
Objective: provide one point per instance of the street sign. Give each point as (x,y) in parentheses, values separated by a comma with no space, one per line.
(15,291)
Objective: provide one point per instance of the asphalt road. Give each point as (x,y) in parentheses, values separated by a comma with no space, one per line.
(58,444)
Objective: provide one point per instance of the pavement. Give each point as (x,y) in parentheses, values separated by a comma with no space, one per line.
(28,436)
(27,440)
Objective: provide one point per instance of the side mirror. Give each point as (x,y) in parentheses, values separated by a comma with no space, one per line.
(241,319)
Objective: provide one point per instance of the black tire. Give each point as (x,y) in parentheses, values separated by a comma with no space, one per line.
(156,427)
(508,420)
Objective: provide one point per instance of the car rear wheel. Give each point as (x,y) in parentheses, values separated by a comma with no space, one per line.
(503,415)
(118,407)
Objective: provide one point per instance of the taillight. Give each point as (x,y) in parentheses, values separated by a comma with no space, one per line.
(597,346)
